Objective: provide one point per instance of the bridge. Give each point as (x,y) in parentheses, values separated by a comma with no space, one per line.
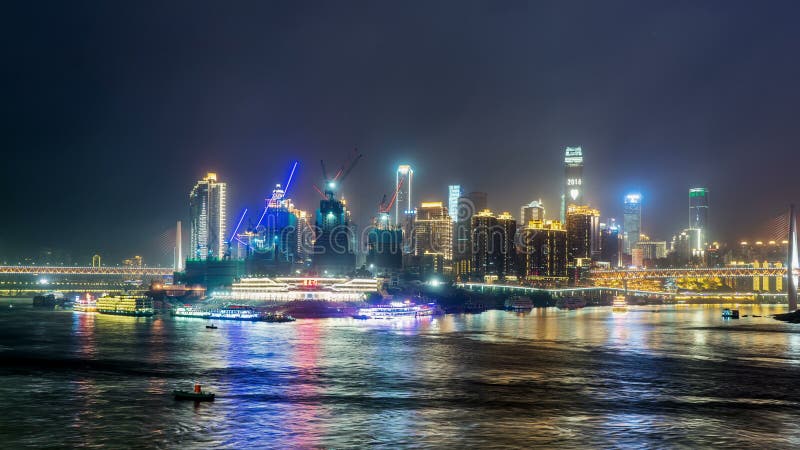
(515,289)
(710,272)
(30,280)
(76,270)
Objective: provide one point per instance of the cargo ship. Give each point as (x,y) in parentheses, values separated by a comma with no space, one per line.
(125,305)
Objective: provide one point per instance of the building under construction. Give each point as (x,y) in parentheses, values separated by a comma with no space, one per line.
(334,247)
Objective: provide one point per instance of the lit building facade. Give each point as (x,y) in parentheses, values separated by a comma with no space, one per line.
(698,217)
(135,261)
(493,249)
(530,212)
(632,221)
(485,245)
(610,244)
(507,226)
(208,217)
(583,233)
(278,243)
(468,206)
(454,192)
(402,204)
(433,232)
(573,179)
(652,250)
(333,248)
(544,250)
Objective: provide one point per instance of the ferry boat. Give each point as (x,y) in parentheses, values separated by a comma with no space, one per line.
(231,312)
(125,305)
(619,304)
(235,312)
(518,304)
(50,299)
(570,303)
(85,304)
(190,311)
(395,310)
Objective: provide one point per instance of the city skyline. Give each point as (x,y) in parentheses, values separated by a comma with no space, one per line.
(498,123)
(235,214)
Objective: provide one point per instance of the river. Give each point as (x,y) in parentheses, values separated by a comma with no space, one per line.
(649,377)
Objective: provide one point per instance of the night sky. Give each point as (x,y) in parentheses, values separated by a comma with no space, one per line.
(111,111)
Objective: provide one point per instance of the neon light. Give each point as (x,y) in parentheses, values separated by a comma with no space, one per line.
(289,182)
(237,226)
(262,217)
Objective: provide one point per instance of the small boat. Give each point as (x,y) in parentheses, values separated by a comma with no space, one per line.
(728,313)
(197,395)
(620,304)
(212,327)
(570,303)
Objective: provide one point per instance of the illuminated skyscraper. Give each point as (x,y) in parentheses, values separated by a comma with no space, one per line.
(698,218)
(468,206)
(454,191)
(402,204)
(493,250)
(583,233)
(403,208)
(485,244)
(632,221)
(334,252)
(573,179)
(507,226)
(610,244)
(207,216)
(544,245)
(433,234)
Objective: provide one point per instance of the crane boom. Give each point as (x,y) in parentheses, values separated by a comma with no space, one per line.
(386,208)
(350,167)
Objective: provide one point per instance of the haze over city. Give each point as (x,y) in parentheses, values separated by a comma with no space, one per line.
(400,224)
(112,112)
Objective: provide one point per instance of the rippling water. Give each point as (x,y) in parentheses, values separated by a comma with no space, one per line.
(681,376)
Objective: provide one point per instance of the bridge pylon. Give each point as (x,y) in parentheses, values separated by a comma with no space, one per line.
(792,263)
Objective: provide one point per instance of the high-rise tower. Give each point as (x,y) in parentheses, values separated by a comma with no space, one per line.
(573,179)
(454,191)
(698,218)
(207,216)
(403,202)
(632,222)
(583,233)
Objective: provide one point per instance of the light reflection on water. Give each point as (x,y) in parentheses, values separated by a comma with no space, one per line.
(651,376)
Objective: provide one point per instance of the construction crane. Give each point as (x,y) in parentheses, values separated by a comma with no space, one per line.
(332,184)
(383,207)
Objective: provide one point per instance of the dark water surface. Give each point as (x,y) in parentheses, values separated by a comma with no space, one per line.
(680,377)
